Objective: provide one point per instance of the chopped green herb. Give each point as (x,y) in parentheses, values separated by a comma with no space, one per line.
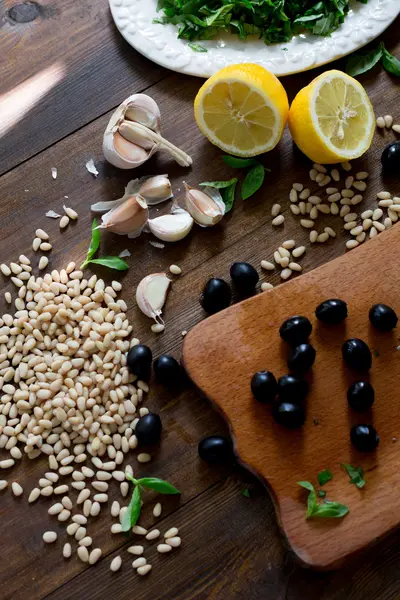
(112,262)
(197,47)
(356,475)
(316,421)
(246,493)
(220,185)
(321,493)
(329,510)
(273,21)
(376,353)
(324,477)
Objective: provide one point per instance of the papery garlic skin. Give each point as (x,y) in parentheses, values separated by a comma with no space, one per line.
(206,206)
(128,218)
(151,294)
(172,227)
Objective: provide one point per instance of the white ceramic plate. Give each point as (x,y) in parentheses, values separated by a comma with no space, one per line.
(160,44)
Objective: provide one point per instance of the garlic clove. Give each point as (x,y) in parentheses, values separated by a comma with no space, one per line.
(155,189)
(144,110)
(123,154)
(173,227)
(130,132)
(151,294)
(128,218)
(206,206)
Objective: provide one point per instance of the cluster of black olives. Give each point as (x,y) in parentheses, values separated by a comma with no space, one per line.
(287,395)
(217,293)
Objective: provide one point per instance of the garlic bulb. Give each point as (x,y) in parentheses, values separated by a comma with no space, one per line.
(127,218)
(172,227)
(151,294)
(206,206)
(132,135)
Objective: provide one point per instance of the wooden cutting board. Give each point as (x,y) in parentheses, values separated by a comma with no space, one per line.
(222,353)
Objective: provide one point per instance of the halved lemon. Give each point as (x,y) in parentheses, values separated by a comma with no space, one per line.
(332,119)
(242,109)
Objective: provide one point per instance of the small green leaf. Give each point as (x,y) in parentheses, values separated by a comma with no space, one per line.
(220,185)
(312,497)
(197,47)
(356,475)
(253,181)
(361,62)
(324,477)
(321,493)
(246,493)
(332,510)
(228,196)
(159,485)
(131,478)
(132,514)
(390,63)
(95,241)
(239,163)
(316,421)
(376,353)
(112,262)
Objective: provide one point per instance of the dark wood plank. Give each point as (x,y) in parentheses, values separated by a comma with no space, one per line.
(95,69)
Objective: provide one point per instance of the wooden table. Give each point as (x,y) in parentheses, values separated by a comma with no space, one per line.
(231,544)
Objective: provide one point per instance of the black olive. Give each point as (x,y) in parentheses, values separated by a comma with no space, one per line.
(295,330)
(391,158)
(264,386)
(361,396)
(357,355)
(167,370)
(302,358)
(364,438)
(292,389)
(139,361)
(332,312)
(383,317)
(216,296)
(288,414)
(148,429)
(244,277)
(215,449)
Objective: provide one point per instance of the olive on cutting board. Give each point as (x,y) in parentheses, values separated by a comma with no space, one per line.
(264,386)
(364,437)
(139,361)
(383,317)
(302,358)
(361,396)
(295,330)
(292,389)
(357,355)
(167,370)
(332,312)
(288,414)
(215,449)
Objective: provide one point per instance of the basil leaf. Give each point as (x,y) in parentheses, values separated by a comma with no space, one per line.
(220,185)
(390,63)
(196,47)
(239,163)
(321,493)
(324,477)
(112,262)
(246,493)
(312,497)
(356,475)
(228,196)
(95,241)
(132,514)
(159,485)
(331,510)
(361,62)
(253,181)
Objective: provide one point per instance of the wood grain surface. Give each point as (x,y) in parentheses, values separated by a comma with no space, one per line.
(231,544)
(222,354)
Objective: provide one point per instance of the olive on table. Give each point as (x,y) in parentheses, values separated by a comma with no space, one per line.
(244,277)
(139,361)
(361,396)
(216,296)
(302,358)
(390,158)
(167,370)
(332,312)
(148,429)
(292,389)
(264,386)
(383,317)
(364,437)
(357,355)
(215,449)
(295,330)
(288,414)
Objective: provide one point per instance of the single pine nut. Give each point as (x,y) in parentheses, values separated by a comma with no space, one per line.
(346,166)
(293,196)
(139,530)
(71,213)
(268,266)
(283,252)
(163,548)
(334,208)
(172,532)
(144,457)
(334,197)
(55,509)
(5,270)
(314,213)
(324,181)
(347,193)
(266,286)
(362,175)
(367,214)
(379,226)
(285,274)
(396,128)
(116,528)
(49,537)
(356,230)
(388,121)
(323,208)
(3,484)
(356,199)
(335,175)
(43,262)
(307,223)
(373,233)
(64,515)
(350,217)
(115,564)
(295,267)
(323,237)
(305,194)
(80,532)
(275,210)
(67,550)
(315,200)
(349,182)
(279,220)
(299,251)
(330,232)
(64,221)
(377,214)
(139,562)
(80,519)
(144,570)
(380,122)
(100,498)
(352,244)
(319,168)
(344,211)
(41,234)
(313,174)
(298,187)
(86,541)
(383,195)
(320,177)
(350,225)
(8,297)
(138,550)
(387,223)
(174,542)
(95,509)
(157,510)
(83,552)
(17,489)
(385,203)
(72,528)
(158,327)
(313,236)
(34,495)
(94,555)
(175,270)
(153,535)
(284,261)
(295,209)
(360,185)
(361,237)
(45,247)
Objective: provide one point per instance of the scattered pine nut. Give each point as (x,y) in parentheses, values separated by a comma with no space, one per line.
(356,199)
(3,484)
(299,251)
(158,328)
(17,489)
(350,244)
(361,237)
(45,247)
(335,175)
(349,182)
(43,262)
(380,123)
(143,457)
(314,213)
(83,554)
(313,174)
(275,210)
(64,222)
(334,208)
(286,273)
(34,495)
(67,550)
(139,562)
(323,237)
(379,226)
(377,214)
(396,128)
(295,209)
(388,121)
(49,537)
(175,270)
(298,187)
(320,177)
(345,211)
(367,214)
(360,186)
(293,196)
(323,208)
(313,236)
(295,267)
(266,286)
(362,175)
(284,262)
(334,197)
(163,548)
(319,168)
(144,570)
(346,166)
(315,200)
(387,223)
(283,252)
(307,223)
(36,243)
(41,234)
(302,206)
(350,217)
(356,230)
(115,564)
(7,297)
(385,203)
(153,535)
(139,530)
(350,225)
(170,533)
(325,181)
(383,195)
(174,542)
(392,215)
(279,220)
(157,510)
(137,550)
(268,266)
(70,212)
(373,233)
(347,193)
(305,194)
(24,260)
(330,232)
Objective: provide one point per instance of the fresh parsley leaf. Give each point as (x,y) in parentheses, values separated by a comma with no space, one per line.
(253,181)
(329,510)
(324,477)
(390,63)
(219,184)
(196,47)
(321,493)
(132,514)
(159,485)
(361,62)
(239,163)
(112,262)
(356,475)
(246,493)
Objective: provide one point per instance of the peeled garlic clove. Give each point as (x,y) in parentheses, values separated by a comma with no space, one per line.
(156,189)
(130,132)
(173,227)
(206,207)
(128,218)
(144,110)
(151,294)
